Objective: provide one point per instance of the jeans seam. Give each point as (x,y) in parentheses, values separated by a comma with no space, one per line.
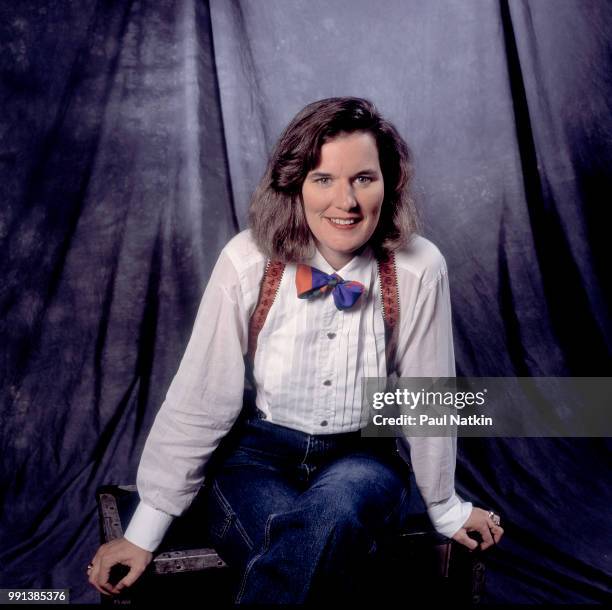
(303,464)
(264,549)
(375,535)
(307,450)
(225,508)
(256,451)
(396,507)
(231,516)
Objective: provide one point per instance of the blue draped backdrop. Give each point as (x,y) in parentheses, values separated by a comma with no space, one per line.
(131,137)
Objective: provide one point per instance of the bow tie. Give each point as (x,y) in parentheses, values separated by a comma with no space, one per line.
(311,282)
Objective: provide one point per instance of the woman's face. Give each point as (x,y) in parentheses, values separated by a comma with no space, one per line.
(343,196)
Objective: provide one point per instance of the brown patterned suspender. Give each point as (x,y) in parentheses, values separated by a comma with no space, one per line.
(390,305)
(273,274)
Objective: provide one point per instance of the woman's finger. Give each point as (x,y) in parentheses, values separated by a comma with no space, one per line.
(487,538)
(102,563)
(104,575)
(462,538)
(129,579)
(497,532)
(94,575)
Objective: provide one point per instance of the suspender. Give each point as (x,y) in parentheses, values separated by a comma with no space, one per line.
(390,307)
(388,290)
(267,293)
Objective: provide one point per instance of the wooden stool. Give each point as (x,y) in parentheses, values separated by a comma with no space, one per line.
(184,567)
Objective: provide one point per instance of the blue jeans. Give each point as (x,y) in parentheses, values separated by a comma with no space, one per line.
(302,516)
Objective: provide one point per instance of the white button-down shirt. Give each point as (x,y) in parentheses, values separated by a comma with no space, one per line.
(308,367)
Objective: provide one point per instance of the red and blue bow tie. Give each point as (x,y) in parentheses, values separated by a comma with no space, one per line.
(311,282)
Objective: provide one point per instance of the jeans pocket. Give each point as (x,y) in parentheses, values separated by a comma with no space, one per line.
(252,457)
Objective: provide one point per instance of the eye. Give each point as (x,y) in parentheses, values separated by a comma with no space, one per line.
(364,179)
(323,180)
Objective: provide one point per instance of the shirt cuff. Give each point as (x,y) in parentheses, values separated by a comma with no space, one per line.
(147,527)
(449,516)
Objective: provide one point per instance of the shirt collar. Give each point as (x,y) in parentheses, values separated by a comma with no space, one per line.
(358,267)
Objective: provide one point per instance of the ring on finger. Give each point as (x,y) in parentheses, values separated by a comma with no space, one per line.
(495,518)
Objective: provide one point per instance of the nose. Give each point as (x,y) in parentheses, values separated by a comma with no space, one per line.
(346,197)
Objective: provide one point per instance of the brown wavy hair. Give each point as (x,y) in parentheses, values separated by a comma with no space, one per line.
(276,213)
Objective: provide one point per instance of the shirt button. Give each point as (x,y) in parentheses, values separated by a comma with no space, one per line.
(327,382)
(331,335)
(324,422)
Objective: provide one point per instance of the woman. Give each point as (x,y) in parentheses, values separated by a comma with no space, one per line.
(296,498)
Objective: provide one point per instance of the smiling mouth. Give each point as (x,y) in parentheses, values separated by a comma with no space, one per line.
(343,222)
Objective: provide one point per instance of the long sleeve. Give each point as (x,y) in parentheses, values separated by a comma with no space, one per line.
(202,403)
(425,349)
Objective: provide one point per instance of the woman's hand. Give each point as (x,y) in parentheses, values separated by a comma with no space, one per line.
(479,521)
(119,551)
